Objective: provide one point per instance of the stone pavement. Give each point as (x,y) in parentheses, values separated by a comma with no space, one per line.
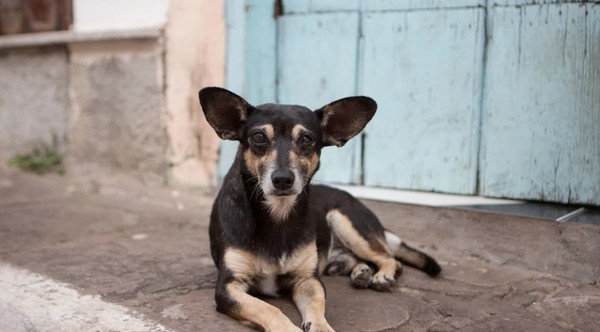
(145,248)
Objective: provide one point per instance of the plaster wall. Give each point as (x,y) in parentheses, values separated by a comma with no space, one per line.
(33,97)
(117,99)
(195,58)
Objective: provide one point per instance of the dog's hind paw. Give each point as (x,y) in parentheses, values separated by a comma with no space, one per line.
(382,283)
(337,268)
(361,276)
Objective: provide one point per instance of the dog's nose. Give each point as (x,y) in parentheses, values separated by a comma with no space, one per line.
(283,179)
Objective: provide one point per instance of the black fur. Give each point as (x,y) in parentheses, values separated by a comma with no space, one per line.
(241,217)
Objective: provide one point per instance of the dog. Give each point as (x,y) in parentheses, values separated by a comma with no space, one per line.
(272,233)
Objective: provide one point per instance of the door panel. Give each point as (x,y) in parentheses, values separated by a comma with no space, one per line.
(541,124)
(251,61)
(526,124)
(317,65)
(423,68)
(319,6)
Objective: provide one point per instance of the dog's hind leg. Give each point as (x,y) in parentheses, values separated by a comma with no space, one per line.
(340,262)
(361,275)
(374,250)
(411,256)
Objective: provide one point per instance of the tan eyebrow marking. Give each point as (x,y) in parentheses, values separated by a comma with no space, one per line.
(297,130)
(268,130)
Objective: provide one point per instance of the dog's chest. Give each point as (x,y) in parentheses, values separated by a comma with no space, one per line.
(263,274)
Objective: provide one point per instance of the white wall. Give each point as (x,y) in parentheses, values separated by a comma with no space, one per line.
(110,15)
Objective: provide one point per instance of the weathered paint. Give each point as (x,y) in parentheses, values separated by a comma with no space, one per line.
(541,119)
(252,52)
(535,2)
(317,65)
(193,145)
(423,68)
(393,5)
(424,61)
(319,6)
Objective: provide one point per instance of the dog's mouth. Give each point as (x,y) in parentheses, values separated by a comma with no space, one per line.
(283,193)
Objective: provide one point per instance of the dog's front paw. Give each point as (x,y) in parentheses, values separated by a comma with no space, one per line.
(317,327)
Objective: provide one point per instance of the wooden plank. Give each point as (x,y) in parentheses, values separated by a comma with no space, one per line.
(317,65)
(251,60)
(423,68)
(334,5)
(534,2)
(541,125)
(319,6)
(395,5)
(295,6)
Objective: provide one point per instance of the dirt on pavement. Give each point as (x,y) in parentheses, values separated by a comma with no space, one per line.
(146,247)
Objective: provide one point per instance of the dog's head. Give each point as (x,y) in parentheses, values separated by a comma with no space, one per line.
(281,144)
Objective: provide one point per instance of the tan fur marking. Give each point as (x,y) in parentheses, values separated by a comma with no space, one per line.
(342,227)
(309,296)
(252,162)
(309,164)
(302,263)
(257,311)
(269,131)
(297,130)
(314,162)
(415,258)
(245,267)
(280,207)
(379,245)
(241,263)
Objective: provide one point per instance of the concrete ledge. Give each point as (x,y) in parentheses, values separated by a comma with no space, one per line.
(68,37)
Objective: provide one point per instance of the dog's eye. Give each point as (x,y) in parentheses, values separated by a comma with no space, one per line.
(305,140)
(258,138)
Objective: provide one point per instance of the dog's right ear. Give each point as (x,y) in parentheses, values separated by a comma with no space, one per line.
(225,111)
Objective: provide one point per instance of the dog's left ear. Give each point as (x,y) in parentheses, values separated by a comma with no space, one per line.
(225,111)
(344,118)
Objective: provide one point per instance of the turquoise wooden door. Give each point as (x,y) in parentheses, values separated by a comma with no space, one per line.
(541,111)
(497,97)
(424,69)
(317,59)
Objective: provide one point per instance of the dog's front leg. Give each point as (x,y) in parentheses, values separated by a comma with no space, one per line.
(232,299)
(309,296)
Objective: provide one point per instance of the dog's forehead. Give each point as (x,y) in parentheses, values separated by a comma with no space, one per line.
(283,117)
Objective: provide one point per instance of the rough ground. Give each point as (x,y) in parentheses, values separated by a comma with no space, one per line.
(146,248)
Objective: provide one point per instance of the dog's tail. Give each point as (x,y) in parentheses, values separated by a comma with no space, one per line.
(410,256)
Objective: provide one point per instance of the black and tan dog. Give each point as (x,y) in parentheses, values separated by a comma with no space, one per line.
(273,233)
